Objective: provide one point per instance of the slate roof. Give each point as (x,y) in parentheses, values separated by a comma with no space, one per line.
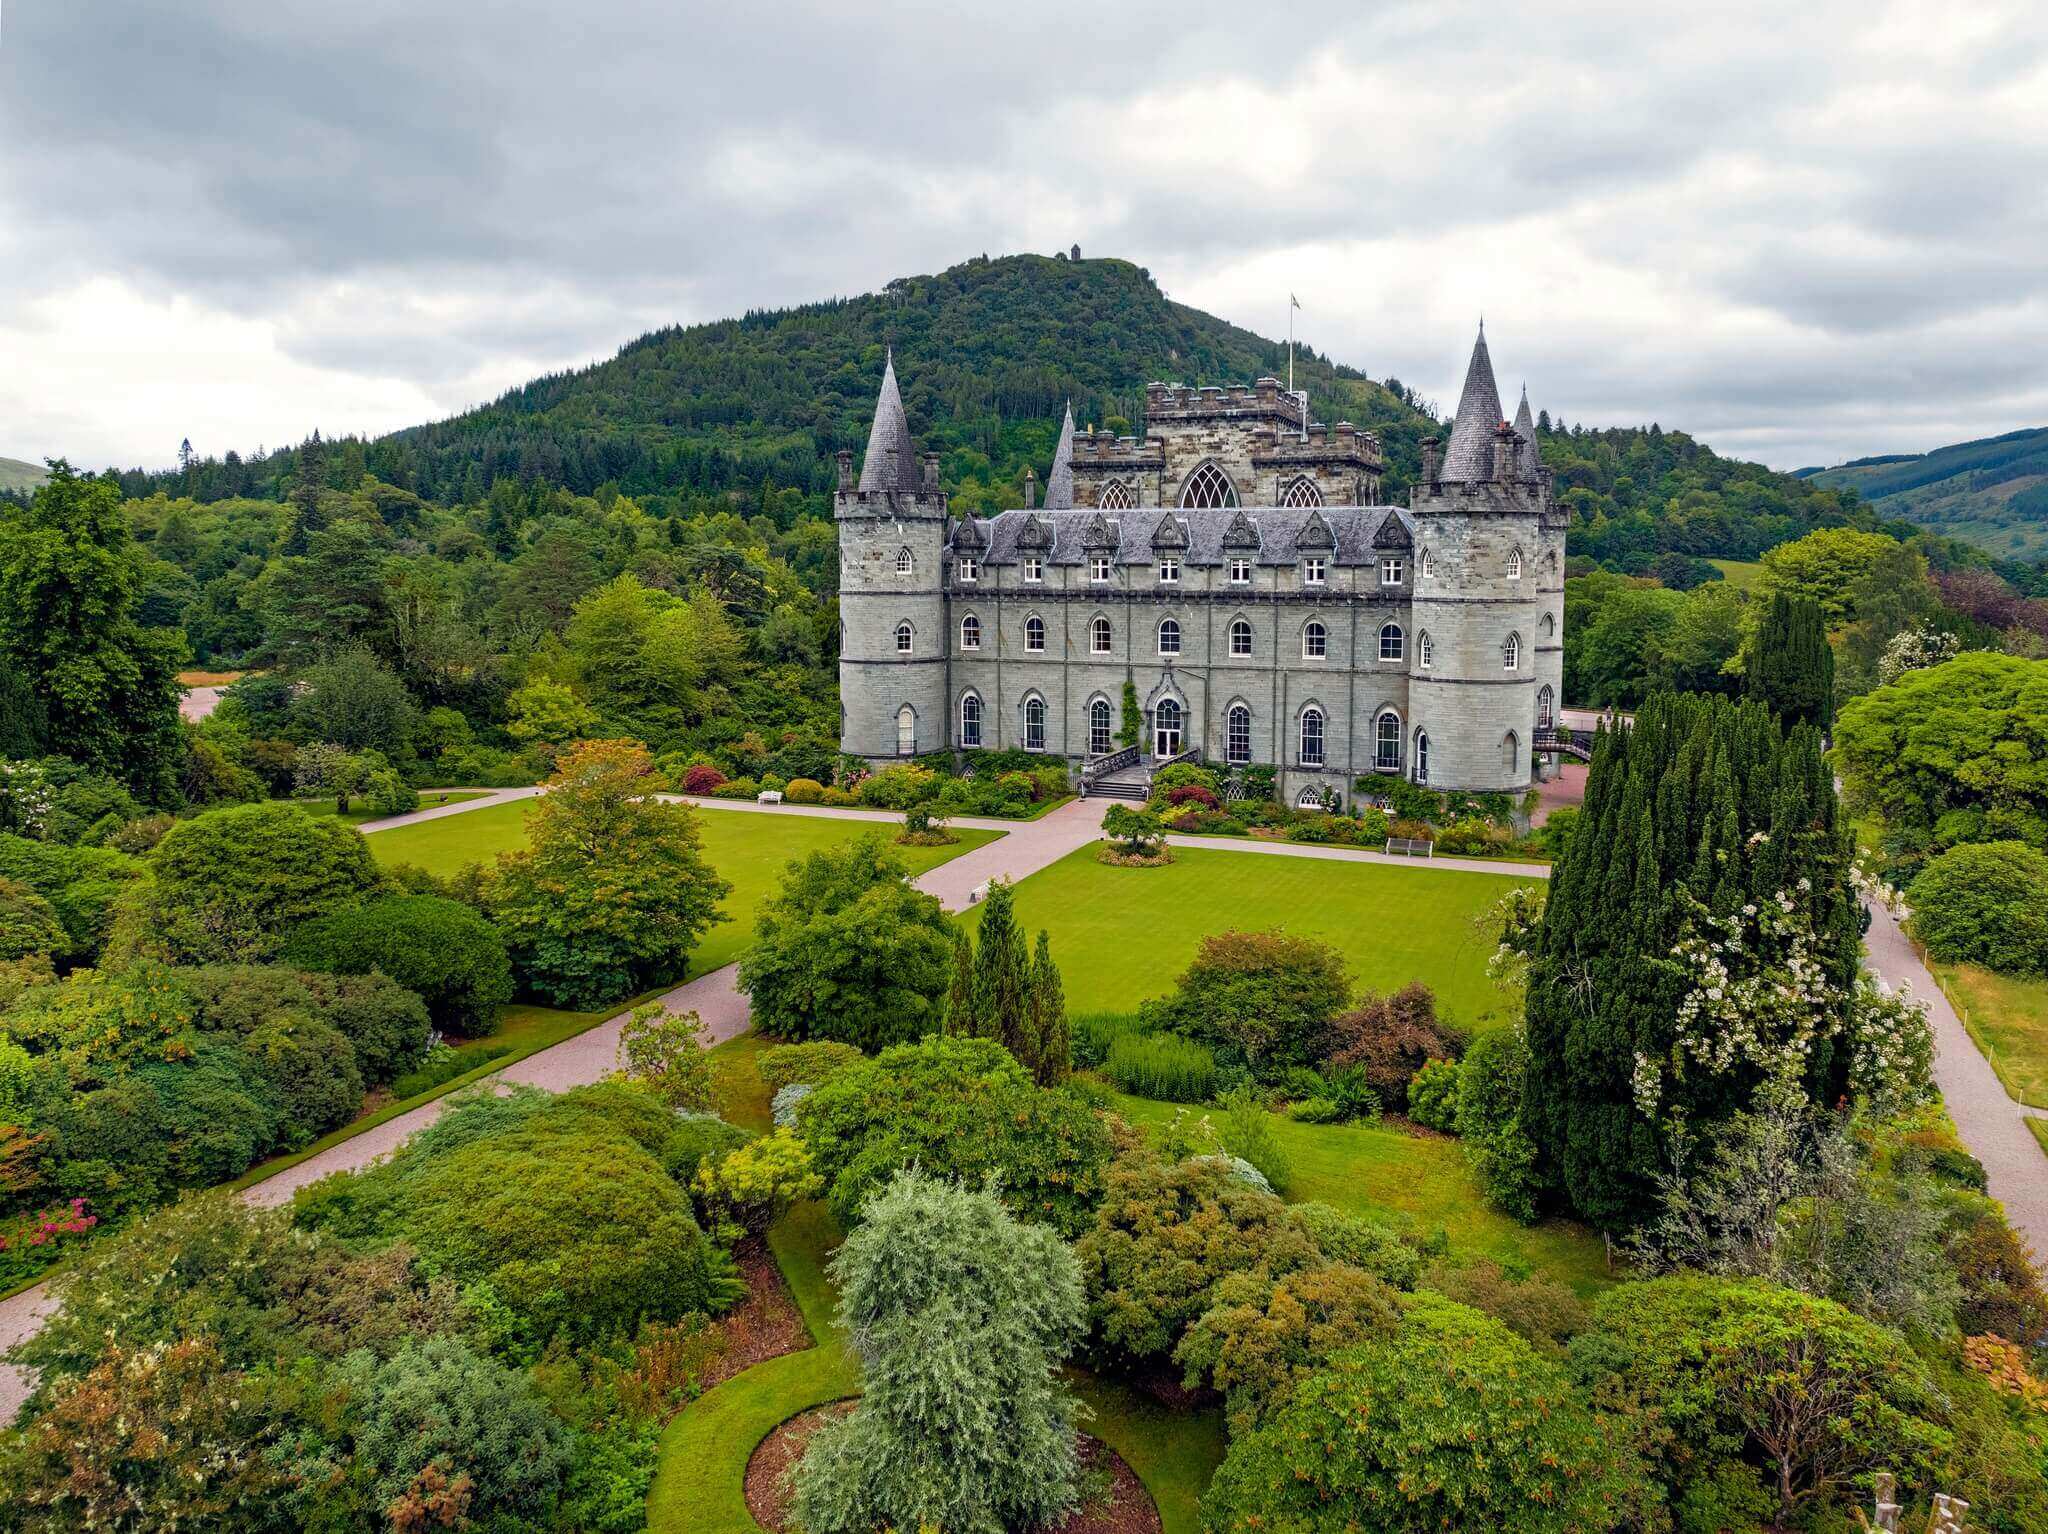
(1468,456)
(1525,423)
(1357,533)
(1059,484)
(890,429)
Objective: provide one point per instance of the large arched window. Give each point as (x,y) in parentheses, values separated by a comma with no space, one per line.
(1311,736)
(1546,707)
(1034,633)
(1310,798)
(1386,743)
(906,731)
(904,638)
(1240,638)
(1034,723)
(1315,641)
(1301,491)
(1098,636)
(1116,496)
(1166,729)
(970,720)
(1391,643)
(1511,653)
(1510,754)
(1514,564)
(1425,650)
(1098,727)
(904,563)
(1428,565)
(1169,636)
(1421,757)
(1208,486)
(970,632)
(1237,735)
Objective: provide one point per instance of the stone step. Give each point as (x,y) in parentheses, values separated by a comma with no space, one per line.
(1136,789)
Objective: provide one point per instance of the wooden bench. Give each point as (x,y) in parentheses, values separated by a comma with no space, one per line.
(1410,847)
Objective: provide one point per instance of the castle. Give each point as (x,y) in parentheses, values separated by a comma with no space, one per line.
(1235,565)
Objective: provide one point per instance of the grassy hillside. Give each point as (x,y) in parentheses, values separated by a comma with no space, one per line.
(1992,492)
(16,475)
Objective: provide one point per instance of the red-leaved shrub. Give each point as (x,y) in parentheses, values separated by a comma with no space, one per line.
(703,779)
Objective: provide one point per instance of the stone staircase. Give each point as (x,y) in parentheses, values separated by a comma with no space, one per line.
(1133,783)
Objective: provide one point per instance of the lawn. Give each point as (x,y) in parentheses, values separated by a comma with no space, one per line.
(1416,1183)
(430,798)
(1740,573)
(1122,935)
(749,850)
(2008,1017)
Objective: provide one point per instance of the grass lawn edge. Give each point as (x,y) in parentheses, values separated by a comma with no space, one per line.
(1985,1047)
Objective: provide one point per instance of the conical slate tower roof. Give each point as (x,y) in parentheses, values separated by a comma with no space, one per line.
(890,430)
(1468,456)
(1525,424)
(1059,484)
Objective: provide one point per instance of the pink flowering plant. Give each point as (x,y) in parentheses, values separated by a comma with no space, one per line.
(31,1243)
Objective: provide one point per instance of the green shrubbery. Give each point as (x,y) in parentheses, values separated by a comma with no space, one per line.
(440,949)
(1162,1066)
(1985,903)
(1265,999)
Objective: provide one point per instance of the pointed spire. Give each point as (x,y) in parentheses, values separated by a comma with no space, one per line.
(1525,428)
(1059,484)
(1468,456)
(890,430)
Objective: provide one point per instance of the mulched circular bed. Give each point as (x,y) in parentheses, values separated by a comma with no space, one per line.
(1121,1506)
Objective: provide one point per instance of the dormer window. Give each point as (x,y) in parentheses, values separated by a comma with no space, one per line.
(1391,571)
(1034,570)
(1098,568)
(1312,572)
(1169,571)
(1240,572)
(968,569)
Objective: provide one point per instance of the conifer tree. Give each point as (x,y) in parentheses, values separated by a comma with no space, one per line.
(960,999)
(1002,988)
(1049,1018)
(306,517)
(1792,669)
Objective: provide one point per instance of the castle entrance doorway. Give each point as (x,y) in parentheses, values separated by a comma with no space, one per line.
(1166,729)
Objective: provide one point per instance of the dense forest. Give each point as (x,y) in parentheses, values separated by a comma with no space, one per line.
(1992,492)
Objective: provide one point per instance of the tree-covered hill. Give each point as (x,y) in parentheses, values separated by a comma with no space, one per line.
(1992,492)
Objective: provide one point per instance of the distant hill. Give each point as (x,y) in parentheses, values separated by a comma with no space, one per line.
(1992,492)
(16,475)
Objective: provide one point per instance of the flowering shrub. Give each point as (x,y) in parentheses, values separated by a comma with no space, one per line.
(703,779)
(31,1243)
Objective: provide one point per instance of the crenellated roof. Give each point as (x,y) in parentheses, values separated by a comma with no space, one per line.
(1271,535)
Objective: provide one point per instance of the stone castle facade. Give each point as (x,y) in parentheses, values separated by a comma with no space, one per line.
(1235,565)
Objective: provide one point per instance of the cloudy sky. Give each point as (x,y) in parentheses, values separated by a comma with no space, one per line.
(1804,232)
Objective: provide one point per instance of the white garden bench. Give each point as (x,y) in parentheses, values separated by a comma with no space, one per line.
(1410,847)
(768,796)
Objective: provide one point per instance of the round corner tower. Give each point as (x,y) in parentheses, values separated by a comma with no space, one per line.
(1483,567)
(892,605)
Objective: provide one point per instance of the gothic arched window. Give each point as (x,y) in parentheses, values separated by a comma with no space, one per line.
(1098,727)
(1169,636)
(1421,757)
(1237,735)
(1208,486)
(1511,653)
(970,632)
(1034,633)
(1510,754)
(970,720)
(904,636)
(1115,496)
(1034,723)
(1425,650)
(1514,564)
(1548,626)
(1315,641)
(904,563)
(1428,565)
(1301,491)
(906,731)
(1391,642)
(1311,736)
(1098,636)
(1386,747)
(1546,706)
(1240,638)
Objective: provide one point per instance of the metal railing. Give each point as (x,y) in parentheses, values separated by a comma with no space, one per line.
(1573,743)
(1098,767)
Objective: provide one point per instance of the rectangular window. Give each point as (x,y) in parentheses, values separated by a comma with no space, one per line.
(1034,570)
(1169,571)
(1240,572)
(1098,568)
(1311,572)
(969,571)
(1390,571)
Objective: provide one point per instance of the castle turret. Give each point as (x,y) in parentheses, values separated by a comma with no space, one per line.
(1059,484)
(1478,606)
(892,615)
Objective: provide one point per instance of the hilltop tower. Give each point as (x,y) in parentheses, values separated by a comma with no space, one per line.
(892,608)
(1484,556)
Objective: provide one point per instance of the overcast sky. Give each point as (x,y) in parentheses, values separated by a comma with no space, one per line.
(1804,232)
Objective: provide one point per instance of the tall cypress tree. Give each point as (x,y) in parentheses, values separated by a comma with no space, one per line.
(1704,805)
(306,517)
(960,999)
(1002,977)
(1049,1018)
(1792,669)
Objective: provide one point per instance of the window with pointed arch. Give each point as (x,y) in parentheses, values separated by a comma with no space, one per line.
(1237,735)
(1428,565)
(1311,736)
(1034,723)
(906,731)
(1393,645)
(1208,486)
(1098,637)
(904,563)
(1315,641)
(1549,626)
(1099,716)
(1302,491)
(1034,634)
(1514,564)
(905,638)
(1425,649)
(970,632)
(1386,742)
(1240,638)
(1169,636)
(1510,754)
(1546,708)
(1421,756)
(970,720)
(1116,496)
(1511,653)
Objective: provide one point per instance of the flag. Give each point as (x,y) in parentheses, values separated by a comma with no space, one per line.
(1293,302)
